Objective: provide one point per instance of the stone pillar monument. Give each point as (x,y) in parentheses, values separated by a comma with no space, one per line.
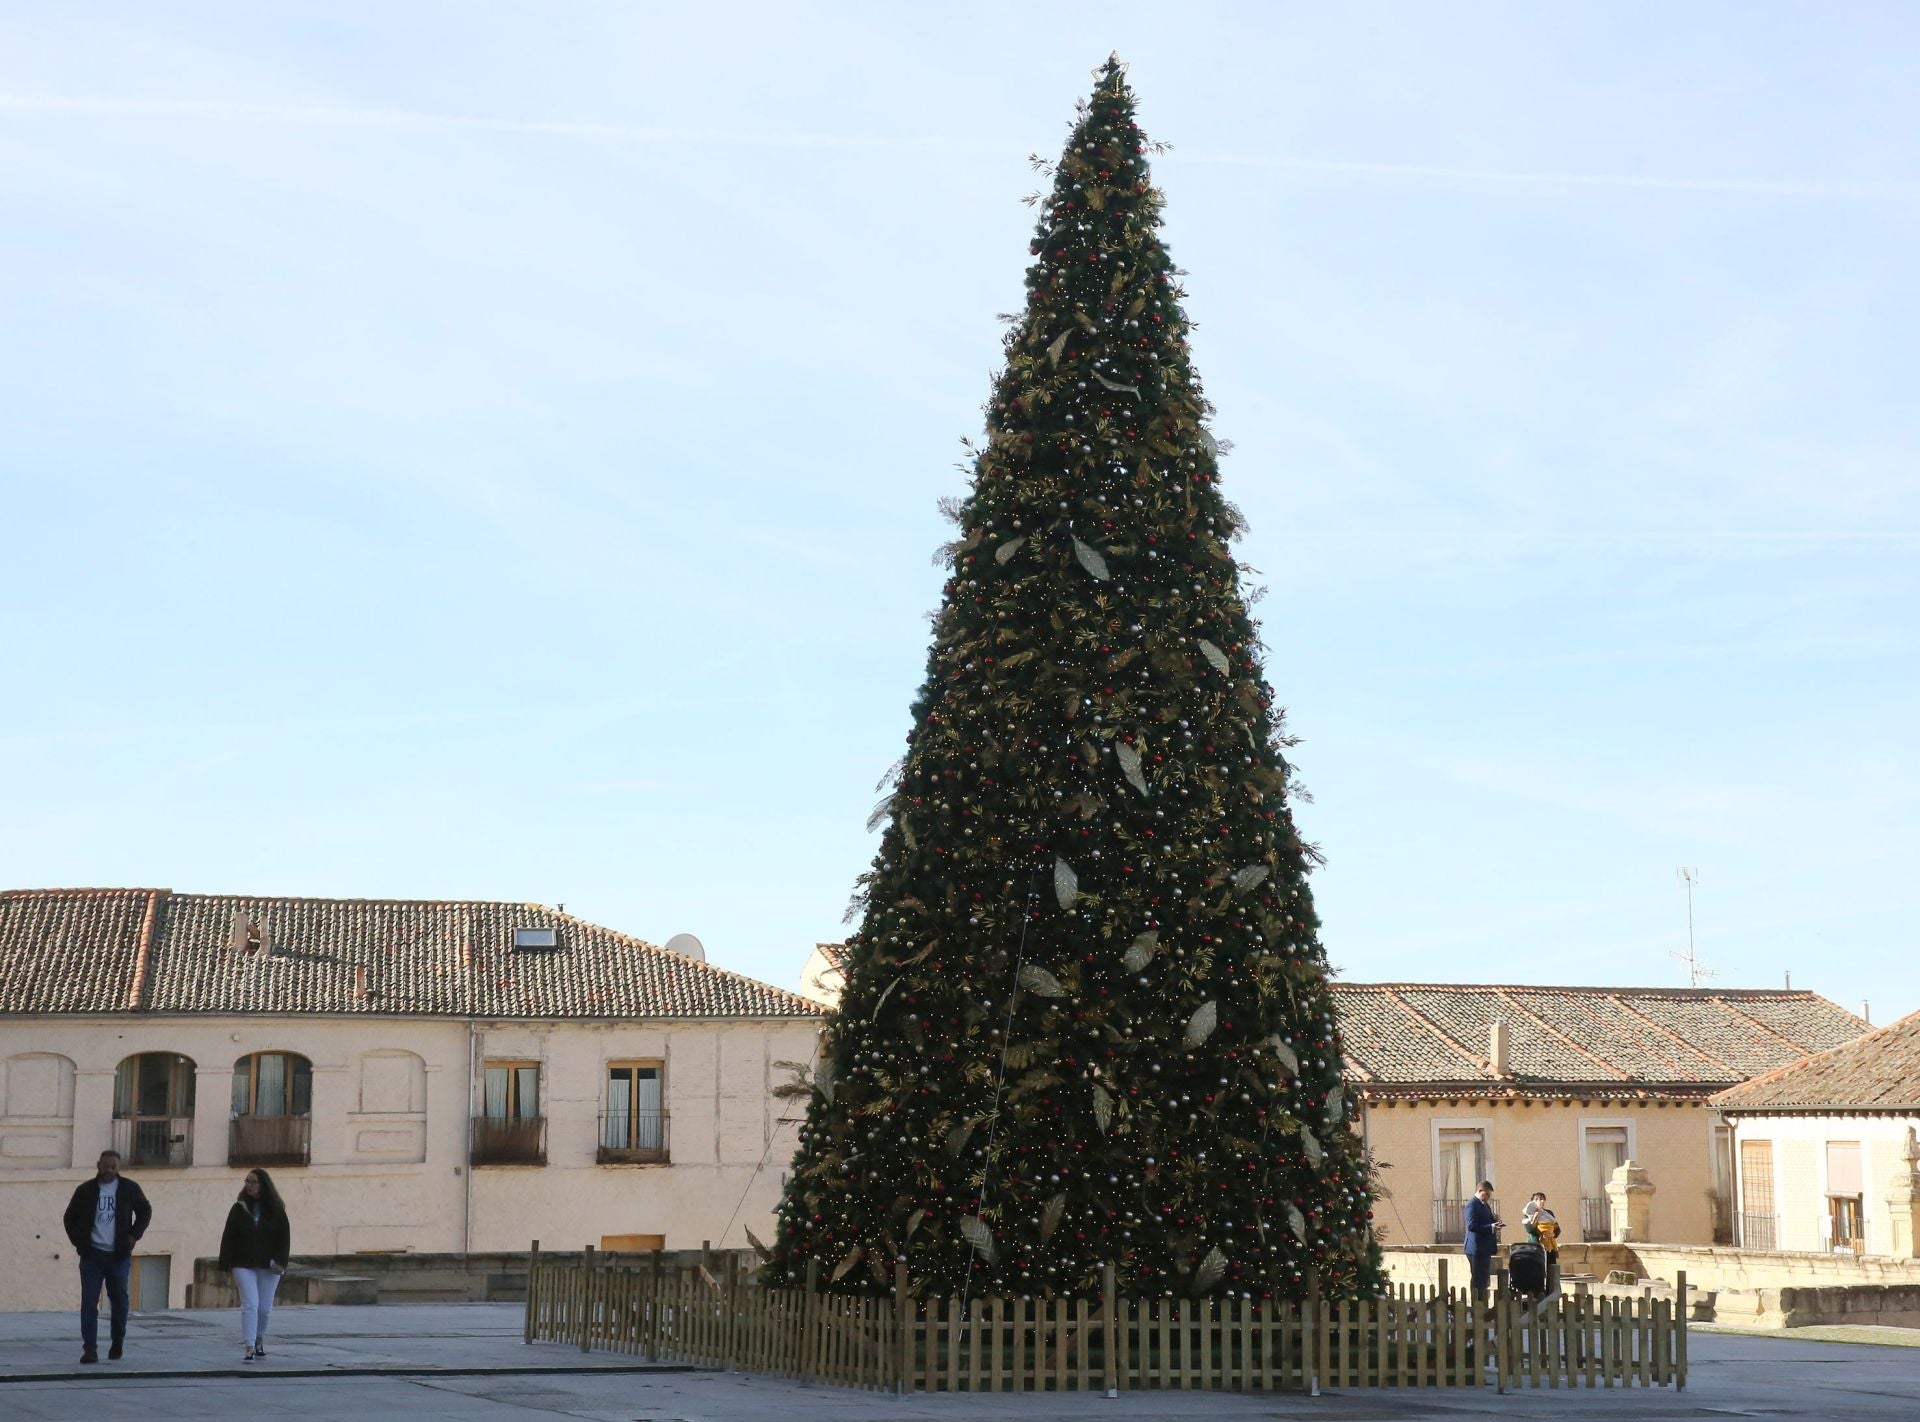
(1630,1202)
(1903,1203)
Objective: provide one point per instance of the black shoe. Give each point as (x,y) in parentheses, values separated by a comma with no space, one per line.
(89,1356)
(113,1353)
(259,1350)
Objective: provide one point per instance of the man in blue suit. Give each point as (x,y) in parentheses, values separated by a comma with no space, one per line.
(1481,1235)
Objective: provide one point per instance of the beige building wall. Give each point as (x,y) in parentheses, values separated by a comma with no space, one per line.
(1537,1145)
(392,1101)
(1800,1172)
(822,979)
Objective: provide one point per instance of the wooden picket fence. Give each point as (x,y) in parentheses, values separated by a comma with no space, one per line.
(1417,1336)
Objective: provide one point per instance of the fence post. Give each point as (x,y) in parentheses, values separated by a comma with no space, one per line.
(1680,1331)
(903,1317)
(1502,1323)
(1310,1338)
(653,1309)
(730,1306)
(1110,1312)
(533,1298)
(586,1300)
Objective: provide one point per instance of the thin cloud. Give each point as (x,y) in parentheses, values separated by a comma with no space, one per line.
(404,120)
(1744,187)
(416,121)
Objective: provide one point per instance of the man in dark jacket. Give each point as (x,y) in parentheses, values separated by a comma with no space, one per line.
(1481,1239)
(105,1218)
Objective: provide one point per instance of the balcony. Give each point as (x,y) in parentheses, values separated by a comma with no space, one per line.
(1596,1218)
(269,1140)
(633,1138)
(152,1142)
(509,1140)
(1450,1220)
(1761,1232)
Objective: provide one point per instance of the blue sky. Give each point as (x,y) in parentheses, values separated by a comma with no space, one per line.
(492,451)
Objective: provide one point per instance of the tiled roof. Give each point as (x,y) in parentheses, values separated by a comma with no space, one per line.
(1880,1071)
(835,954)
(151,950)
(1414,1039)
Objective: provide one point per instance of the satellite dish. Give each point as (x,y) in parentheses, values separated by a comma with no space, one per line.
(687,946)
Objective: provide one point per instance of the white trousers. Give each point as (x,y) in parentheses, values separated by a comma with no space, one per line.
(256,1288)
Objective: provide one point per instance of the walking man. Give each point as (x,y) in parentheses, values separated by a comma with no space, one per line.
(1481,1237)
(104,1219)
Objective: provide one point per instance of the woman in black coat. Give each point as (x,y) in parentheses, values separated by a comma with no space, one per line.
(254,1249)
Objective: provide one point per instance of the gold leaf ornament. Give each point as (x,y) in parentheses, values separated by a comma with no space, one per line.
(1038,981)
(1006,550)
(1310,1143)
(1102,1107)
(1250,877)
(1066,883)
(1212,1269)
(1200,1026)
(1140,952)
(1059,346)
(824,1082)
(853,1257)
(1297,1222)
(1286,1054)
(1214,655)
(1091,560)
(974,1230)
(1116,385)
(1129,759)
(1050,1217)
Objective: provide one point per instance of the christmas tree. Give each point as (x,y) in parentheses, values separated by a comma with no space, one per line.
(1087,1016)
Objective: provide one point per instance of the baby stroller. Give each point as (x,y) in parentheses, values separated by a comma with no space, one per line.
(1527,1269)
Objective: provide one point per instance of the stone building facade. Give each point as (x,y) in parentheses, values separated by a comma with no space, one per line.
(1545,1088)
(417,1076)
(1825,1149)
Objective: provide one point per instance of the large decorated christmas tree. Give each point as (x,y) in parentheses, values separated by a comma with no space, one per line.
(1086,1017)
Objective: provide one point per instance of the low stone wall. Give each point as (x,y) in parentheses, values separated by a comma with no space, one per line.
(1742,1269)
(407,1278)
(1764,1290)
(1420,1264)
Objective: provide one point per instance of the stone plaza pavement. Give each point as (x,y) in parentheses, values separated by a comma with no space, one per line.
(466,1361)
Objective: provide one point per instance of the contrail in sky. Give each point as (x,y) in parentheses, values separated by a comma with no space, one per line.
(404,120)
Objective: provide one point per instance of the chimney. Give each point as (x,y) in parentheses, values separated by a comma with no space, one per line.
(360,984)
(1866,1012)
(1497,1049)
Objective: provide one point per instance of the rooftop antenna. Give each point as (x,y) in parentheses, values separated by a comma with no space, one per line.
(1697,971)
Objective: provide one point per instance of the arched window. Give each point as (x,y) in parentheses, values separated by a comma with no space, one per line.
(272,1105)
(153,1110)
(36,1112)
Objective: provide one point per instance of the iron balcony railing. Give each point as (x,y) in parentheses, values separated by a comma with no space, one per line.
(1450,1220)
(269,1140)
(1835,1241)
(154,1141)
(633,1138)
(1596,1218)
(509,1140)
(1760,1232)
